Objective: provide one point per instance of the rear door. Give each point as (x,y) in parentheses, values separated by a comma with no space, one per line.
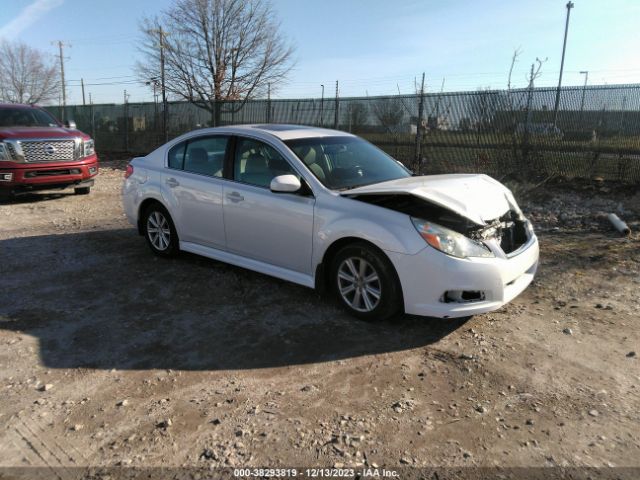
(274,228)
(193,185)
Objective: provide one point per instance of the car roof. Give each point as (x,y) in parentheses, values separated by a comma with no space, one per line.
(282,131)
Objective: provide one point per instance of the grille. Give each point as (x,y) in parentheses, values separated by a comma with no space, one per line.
(48,150)
(52,173)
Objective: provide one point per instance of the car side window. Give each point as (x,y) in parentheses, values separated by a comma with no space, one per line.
(176,156)
(205,155)
(257,163)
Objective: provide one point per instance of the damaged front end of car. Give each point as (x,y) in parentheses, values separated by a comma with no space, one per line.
(454,233)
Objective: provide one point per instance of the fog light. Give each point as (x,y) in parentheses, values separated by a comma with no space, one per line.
(92,170)
(6,177)
(462,296)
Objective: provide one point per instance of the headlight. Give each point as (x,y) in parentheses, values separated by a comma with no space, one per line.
(529,227)
(450,242)
(89,147)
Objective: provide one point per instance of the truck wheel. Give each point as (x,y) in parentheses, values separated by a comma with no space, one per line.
(82,190)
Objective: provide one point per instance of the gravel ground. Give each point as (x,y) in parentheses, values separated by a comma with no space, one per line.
(110,356)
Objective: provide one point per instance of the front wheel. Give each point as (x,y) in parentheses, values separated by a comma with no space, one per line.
(365,282)
(159,231)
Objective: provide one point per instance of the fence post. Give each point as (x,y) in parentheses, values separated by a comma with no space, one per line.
(93,121)
(269,103)
(418,156)
(126,123)
(337,116)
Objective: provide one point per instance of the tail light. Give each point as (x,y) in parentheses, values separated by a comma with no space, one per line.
(129,171)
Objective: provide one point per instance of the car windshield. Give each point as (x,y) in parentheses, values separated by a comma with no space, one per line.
(26,117)
(342,162)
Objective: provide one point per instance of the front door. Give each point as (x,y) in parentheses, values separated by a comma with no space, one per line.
(275,228)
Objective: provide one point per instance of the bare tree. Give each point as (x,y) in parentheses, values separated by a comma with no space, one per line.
(534,74)
(26,76)
(356,115)
(484,104)
(516,53)
(216,51)
(389,113)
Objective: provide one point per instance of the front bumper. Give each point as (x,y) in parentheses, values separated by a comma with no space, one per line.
(427,275)
(20,177)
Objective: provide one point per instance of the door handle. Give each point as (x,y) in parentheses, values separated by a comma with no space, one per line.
(235,197)
(172,182)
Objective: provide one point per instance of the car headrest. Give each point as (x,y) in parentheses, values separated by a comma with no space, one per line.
(256,163)
(198,156)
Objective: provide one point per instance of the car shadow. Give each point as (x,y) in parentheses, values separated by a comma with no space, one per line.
(35,197)
(102,300)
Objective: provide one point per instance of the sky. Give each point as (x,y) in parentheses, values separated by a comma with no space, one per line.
(374,47)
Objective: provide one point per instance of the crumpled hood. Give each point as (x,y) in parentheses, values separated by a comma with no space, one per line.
(479,198)
(7,133)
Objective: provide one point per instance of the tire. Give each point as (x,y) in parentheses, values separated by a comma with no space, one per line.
(82,190)
(159,231)
(357,294)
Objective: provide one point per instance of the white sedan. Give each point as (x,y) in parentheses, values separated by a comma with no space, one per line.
(328,210)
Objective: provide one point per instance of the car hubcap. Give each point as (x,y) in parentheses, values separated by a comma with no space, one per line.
(359,284)
(158,231)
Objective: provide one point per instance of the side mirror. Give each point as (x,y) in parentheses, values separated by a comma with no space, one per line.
(285,184)
(70,124)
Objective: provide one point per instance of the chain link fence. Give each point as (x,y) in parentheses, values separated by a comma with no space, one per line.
(595,133)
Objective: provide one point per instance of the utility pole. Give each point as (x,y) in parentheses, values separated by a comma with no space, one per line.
(61,46)
(165,123)
(337,109)
(82,83)
(162,34)
(419,127)
(564,47)
(154,83)
(322,107)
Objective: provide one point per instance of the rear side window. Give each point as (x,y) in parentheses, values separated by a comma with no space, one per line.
(176,156)
(205,155)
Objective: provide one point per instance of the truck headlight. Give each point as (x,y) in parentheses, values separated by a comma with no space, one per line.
(4,154)
(450,242)
(89,147)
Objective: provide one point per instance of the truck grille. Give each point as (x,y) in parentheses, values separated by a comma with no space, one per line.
(53,173)
(39,151)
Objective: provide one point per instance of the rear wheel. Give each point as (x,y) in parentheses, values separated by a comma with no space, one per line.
(82,190)
(159,231)
(365,282)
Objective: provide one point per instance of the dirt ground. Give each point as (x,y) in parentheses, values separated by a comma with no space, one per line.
(110,356)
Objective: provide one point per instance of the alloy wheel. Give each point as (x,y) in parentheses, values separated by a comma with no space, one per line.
(359,284)
(158,230)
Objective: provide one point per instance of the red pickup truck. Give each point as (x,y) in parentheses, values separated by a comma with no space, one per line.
(37,152)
